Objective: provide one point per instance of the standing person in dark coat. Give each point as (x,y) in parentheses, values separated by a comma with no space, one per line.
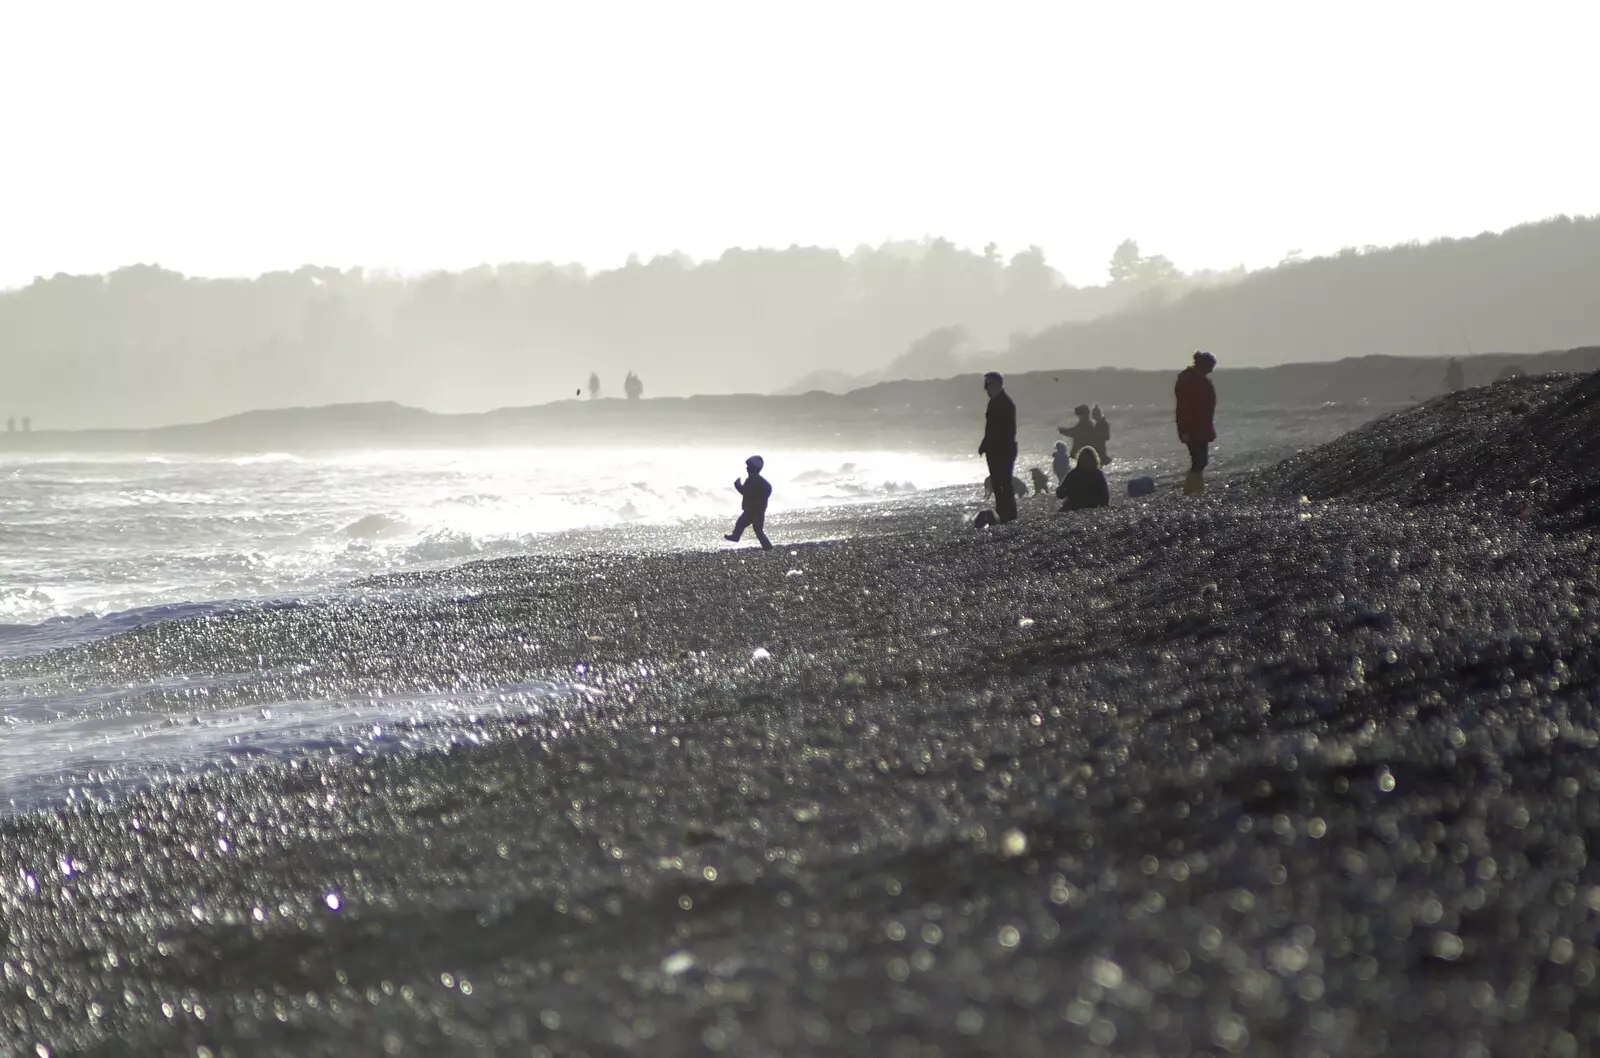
(1197,404)
(1085,488)
(999,445)
(1102,436)
(756,490)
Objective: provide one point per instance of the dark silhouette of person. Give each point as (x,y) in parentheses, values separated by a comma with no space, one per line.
(999,444)
(1061,460)
(1041,481)
(1085,487)
(1454,377)
(756,490)
(1102,436)
(1080,433)
(1196,410)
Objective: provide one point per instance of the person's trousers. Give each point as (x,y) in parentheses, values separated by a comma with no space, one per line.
(1199,456)
(1002,468)
(755,521)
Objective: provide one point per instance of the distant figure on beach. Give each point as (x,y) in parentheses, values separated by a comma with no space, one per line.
(756,490)
(999,444)
(594,386)
(632,386)
(1061,461)
(1102,436)
(1041,481)
(1085,487)
(1197,405)
(1454,378)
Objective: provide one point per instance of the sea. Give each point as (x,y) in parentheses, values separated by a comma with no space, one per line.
(98,545)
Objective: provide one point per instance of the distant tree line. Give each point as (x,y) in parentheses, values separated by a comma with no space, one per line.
(145,345)
(1137,281)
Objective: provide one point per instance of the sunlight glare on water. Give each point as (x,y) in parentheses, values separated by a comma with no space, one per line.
(100,534)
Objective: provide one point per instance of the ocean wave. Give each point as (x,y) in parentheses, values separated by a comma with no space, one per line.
(60,631)
(376,526)
(444,545)
(472,499)
(108,741)
(265,526)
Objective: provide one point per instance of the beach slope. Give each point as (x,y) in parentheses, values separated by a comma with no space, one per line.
(1238,776)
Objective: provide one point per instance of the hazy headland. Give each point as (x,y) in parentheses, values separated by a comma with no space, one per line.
(937,416)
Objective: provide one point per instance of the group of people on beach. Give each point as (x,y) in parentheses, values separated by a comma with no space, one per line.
(1079,468)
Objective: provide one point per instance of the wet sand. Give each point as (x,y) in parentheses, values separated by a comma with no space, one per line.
(1244,775)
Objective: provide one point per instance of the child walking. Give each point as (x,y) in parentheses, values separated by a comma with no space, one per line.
(756,490)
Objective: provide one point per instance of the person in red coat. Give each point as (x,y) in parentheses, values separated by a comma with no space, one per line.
(1197,403)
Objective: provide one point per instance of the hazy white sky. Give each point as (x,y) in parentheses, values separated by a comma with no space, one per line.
(225,137)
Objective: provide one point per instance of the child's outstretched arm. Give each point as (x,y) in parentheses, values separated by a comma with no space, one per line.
(738,483)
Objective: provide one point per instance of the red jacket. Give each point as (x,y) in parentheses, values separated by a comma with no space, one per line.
(1197,402)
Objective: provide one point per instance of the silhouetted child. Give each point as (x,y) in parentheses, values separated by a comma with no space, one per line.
(1061,461)
(1041,482)
(756,490)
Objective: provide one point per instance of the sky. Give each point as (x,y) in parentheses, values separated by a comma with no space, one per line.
(240,137)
